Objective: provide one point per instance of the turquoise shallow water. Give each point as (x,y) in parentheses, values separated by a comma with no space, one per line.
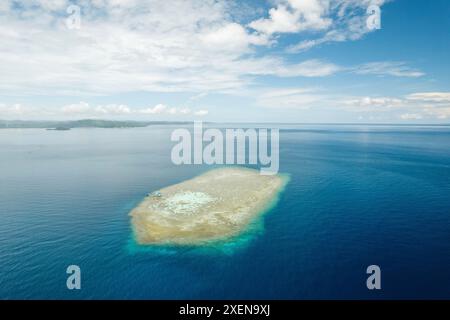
(358,195)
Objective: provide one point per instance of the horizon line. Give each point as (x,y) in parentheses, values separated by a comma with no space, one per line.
(235,122)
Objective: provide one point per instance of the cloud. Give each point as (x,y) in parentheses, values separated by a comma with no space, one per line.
(184,111)
(362,104)
(397,69)
(297,98)
(198,96)
(231,37)
(293,16)
(5,6)
(15,110)
(411,116)
(415,106)
(161,46)
(201,113)
(348,23)
(76,108)
(430,96)
(122,46)
(439,113)
(158,109)
(309,68)
(85,110)
(135,45)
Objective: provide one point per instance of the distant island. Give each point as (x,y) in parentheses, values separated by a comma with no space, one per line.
(86,123)
(96,123)
(216,205)
(59,129)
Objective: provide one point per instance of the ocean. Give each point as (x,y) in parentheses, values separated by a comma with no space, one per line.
(358,195)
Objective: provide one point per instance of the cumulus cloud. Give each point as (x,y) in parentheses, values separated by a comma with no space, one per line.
(86,110)
(293,16)
(198,47)
(348,22)
(158,109)
(156,45)
(231,37)
(134,45)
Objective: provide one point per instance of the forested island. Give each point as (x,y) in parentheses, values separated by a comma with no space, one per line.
(86,123)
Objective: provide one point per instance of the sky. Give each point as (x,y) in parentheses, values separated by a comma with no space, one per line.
(302,61)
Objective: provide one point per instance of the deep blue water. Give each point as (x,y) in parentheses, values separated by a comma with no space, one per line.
(358,195)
